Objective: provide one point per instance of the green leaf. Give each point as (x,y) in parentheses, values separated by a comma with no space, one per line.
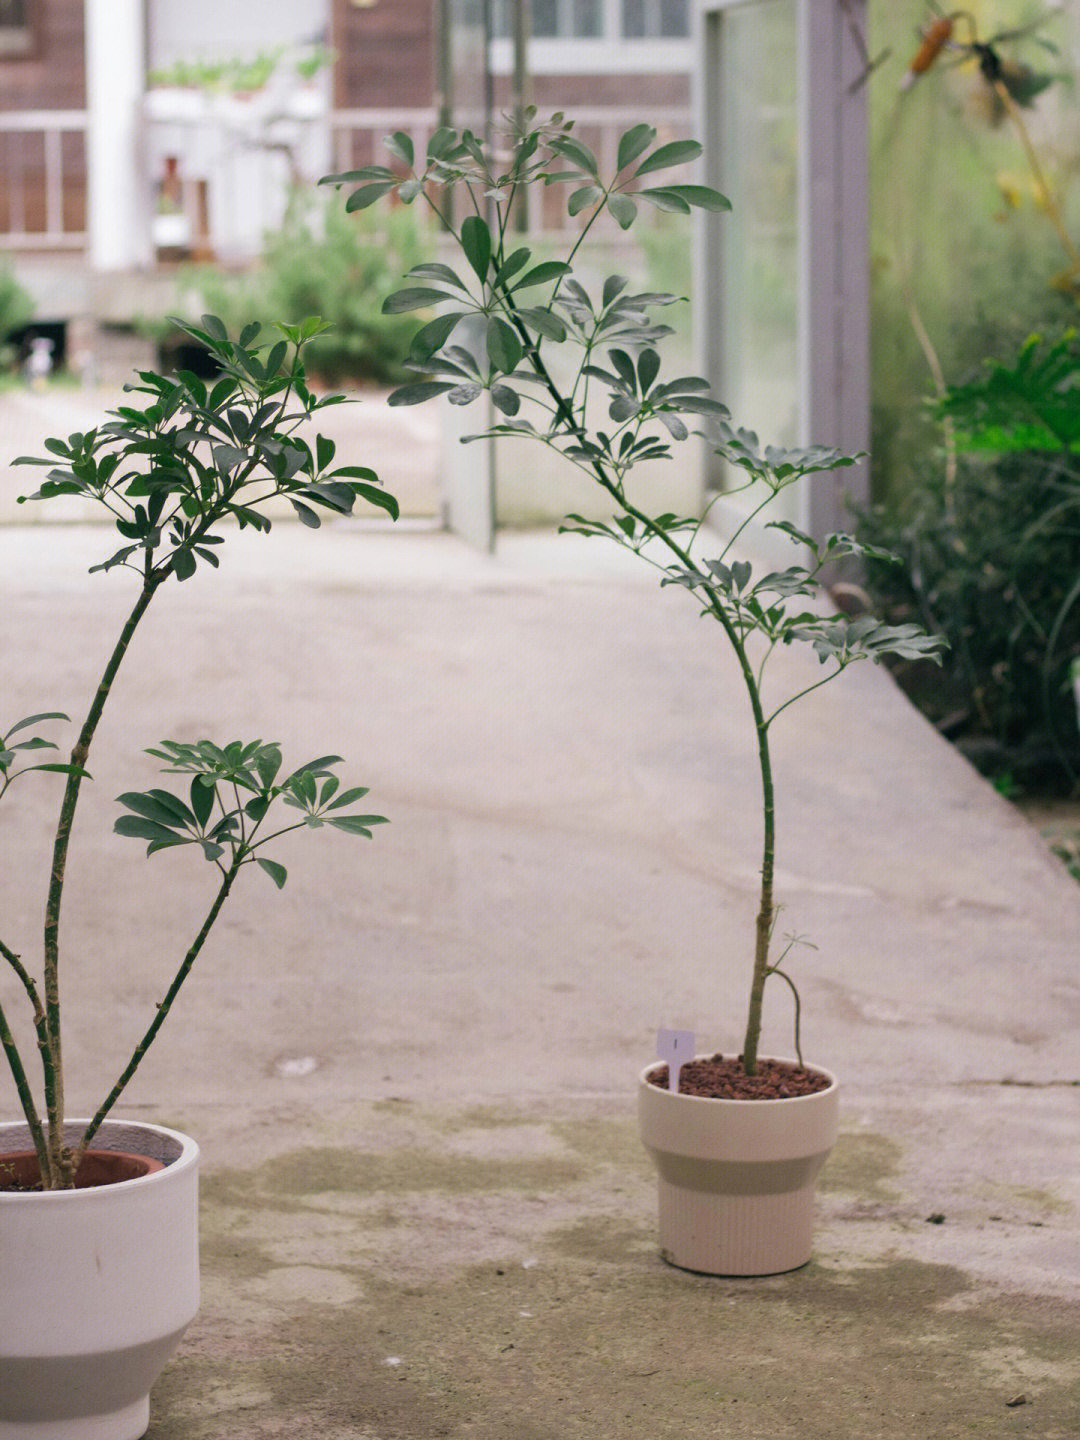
(614,285)
(183,563)
(202,801)
(432,337)
(511,265)
(319,766)
(441,143)
(417,393)
(505,399)
(503,345)
(349,797)
(305,513)
(277,872)
(151,808)
(632,144)
(356,824)
(476,243)
(368,194)
(582,199)
(700,197)
(380,498)
(140,828)
(267,764)
(36,720)
(667,200)
(648,368)
(415,297)
(740,573)
(542,274)
(577,153)
(62,770)
(623,210)
(325,449)
(673,425)
(400,145)
(436,271)
(256,808)
(544,322)
(678,152)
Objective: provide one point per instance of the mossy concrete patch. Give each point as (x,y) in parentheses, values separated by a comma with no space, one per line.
(421,1292)
(599,1338)
(862,1163)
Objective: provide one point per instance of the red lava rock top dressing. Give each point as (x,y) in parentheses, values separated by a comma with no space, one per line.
(718,1079)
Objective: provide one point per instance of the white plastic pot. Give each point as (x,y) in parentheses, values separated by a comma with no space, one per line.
(96,1288)
(737,1177)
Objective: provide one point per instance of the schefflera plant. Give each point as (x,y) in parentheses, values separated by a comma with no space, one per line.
(541,344)
(171,473)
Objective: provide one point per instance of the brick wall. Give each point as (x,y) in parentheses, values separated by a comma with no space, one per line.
(385,53)
(52,76)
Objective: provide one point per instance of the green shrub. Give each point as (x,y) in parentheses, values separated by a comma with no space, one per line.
(342,267)
(16,309)
(992,561)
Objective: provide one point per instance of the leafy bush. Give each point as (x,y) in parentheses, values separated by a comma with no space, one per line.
(992,561)
(16,309)
(325,262)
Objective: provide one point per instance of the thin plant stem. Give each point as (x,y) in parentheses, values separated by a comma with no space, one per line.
(160,1013)
(40,1026)
(26,1099)
(55,1087)
(766,907)
(1049,199)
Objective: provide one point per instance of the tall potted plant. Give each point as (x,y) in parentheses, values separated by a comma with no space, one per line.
(98,1238)
(738,1141)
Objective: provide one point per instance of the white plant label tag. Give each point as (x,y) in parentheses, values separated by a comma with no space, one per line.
(676,1047)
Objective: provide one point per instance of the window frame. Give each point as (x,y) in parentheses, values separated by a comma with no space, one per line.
(833,343)
(611,52)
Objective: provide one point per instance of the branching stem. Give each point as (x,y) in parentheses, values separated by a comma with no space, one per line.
(160,1013)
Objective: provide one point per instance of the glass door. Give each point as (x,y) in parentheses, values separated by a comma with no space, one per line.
(786,275)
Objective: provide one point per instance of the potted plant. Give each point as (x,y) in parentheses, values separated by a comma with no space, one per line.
(98,1247)
(738,1141)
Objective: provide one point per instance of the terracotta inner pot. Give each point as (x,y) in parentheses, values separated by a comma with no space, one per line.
(20,1171)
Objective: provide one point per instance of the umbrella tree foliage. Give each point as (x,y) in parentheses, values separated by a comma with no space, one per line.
(549,351)
(172,472)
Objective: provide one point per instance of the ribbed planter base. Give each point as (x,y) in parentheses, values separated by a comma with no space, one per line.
(129,1423)
(737,1177)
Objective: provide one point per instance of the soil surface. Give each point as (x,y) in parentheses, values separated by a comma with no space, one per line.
(715,1078)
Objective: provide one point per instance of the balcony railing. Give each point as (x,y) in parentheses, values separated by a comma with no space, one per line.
(43,171)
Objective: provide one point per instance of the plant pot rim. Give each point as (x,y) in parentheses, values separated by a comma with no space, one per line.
(99,1194)
(678,1098)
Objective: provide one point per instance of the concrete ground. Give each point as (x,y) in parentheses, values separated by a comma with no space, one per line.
(425,1210)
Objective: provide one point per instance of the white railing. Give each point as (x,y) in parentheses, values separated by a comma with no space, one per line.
(39,183)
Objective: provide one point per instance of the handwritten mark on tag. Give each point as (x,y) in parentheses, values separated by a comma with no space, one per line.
(676,1047)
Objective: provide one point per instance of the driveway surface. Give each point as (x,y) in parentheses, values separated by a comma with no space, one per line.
(412,1071)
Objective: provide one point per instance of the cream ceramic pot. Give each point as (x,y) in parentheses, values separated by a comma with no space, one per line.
(737,1177)
(96,1288)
